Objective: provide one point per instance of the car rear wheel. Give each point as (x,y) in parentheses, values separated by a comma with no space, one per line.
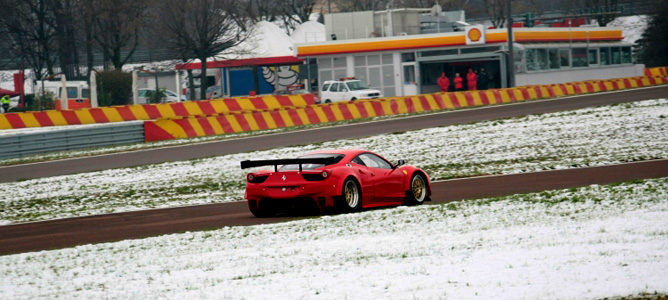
(351,195)
(418,190)
(328,101)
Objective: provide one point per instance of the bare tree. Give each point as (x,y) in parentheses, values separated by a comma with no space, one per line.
(262,10)
(361,5)
(203,28)
(64,25)
(27,23)
(496,11)
(118,25)
(296,12)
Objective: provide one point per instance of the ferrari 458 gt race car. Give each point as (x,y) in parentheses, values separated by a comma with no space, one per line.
(347,180)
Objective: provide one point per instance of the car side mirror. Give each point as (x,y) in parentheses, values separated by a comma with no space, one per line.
(401,162)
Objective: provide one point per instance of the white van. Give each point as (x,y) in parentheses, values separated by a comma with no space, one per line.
(346,89)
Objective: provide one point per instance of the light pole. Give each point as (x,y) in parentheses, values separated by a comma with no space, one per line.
(511,59)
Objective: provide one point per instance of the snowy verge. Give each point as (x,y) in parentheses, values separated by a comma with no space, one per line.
(586,137)
(590,242)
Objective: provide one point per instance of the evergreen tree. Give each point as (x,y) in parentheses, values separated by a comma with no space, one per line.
(653,46)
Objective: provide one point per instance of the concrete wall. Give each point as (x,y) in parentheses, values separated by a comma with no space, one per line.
(572,75)
(352,25)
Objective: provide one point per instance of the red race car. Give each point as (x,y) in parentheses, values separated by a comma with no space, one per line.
(348,180)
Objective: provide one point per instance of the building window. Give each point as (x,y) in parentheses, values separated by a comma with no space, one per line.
(605,56)
(565,58)
(408,57)
(626,55)
(439,52)
(553,55)
(592,56)
(542,61)
(531,59)
(360,61)
(579,57)
(373,60)
(409,74)
(616,55)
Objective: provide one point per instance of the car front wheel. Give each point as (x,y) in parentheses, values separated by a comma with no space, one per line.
(418,190)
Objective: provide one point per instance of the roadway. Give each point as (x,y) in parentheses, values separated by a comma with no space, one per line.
(61,233)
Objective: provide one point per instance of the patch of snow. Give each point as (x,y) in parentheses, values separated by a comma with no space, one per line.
(570,139)
(266,40)
(309,32)
(632,26)
(591,242)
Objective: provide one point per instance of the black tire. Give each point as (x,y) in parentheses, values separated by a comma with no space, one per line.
(351,196)
(261,212)
(353,99)
(328,101)
(417,190)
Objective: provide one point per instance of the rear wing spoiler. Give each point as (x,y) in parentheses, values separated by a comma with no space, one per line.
(288,161)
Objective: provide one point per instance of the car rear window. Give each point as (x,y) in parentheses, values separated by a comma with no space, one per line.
(325,86)
(337,158)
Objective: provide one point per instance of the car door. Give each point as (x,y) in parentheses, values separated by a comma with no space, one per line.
(367,180)
(346,93)
(336,92)
(389,182)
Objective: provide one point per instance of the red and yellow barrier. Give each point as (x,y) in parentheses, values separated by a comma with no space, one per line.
(656,72)
(360,109)
(151,111)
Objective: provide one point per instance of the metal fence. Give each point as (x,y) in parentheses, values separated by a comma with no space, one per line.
(24,144)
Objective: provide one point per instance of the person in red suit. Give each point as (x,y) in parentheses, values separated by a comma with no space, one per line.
(459,82)
(471,80)
(444,82)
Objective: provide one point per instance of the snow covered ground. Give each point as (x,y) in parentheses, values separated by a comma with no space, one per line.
(591,242)
(632,26)
(586,137)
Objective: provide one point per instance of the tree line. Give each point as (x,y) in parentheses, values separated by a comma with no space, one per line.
(71,36)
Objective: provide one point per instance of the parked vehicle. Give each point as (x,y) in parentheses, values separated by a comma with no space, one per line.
(348,180)
(346,89)
(145,96)
(78,93)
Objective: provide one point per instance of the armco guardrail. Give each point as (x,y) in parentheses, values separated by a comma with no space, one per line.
(17,145)
(151,111)
(316,114)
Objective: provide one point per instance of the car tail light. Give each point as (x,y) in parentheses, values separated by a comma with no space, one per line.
(317,176)
(252,178)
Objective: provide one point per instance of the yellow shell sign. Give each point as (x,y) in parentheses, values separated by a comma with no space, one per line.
(475,35)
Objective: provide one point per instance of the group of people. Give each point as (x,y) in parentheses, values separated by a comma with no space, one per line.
(474,81)
(4,101)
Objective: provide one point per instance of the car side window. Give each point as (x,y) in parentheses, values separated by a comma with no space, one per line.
(358,161)
(325,87)
(343,87)
(334,88)
(375,161)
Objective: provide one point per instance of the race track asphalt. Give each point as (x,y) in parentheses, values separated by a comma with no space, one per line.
(301,137)
(129,225)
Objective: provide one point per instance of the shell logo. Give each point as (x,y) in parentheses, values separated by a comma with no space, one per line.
(475,34)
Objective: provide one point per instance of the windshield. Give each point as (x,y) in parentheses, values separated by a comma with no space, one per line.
(357,85)
(337,157)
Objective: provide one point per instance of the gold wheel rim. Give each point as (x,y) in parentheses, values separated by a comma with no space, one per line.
(418,188)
